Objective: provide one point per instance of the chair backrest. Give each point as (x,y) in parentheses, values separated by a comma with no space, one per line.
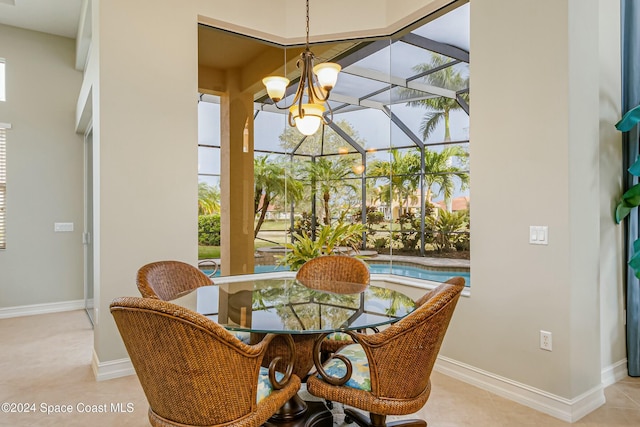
(189,366)
(458,281)
(168,280)
(408,349)
(340,268)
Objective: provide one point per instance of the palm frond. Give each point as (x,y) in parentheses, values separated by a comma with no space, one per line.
(430,122)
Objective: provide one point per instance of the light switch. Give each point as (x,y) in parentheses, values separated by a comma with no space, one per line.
(538,235)
(62,226)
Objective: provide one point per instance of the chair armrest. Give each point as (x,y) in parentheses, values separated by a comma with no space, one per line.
(278,385)
(320,368)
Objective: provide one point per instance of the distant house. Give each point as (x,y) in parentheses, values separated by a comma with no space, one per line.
(457,204)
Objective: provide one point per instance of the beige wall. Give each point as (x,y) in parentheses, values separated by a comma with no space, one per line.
(144,95)
(44,170)
(612,264)
(534,161)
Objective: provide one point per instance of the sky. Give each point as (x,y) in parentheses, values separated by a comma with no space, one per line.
(372,126)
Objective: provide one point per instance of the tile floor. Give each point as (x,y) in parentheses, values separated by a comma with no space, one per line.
(46,360)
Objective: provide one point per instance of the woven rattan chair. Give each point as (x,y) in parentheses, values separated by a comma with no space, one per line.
(388,373)
(168,280)
(334,268)
(194,372)
(326,272)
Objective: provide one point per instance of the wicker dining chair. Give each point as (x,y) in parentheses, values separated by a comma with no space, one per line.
(388,373)
(323,272)
(334,268)
(168,280)
(194,372)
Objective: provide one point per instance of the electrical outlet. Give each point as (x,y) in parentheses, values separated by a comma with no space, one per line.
(545,340)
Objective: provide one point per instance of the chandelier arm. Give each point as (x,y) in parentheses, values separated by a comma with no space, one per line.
(330,114)
(299,90)
(319,95)
(308,63)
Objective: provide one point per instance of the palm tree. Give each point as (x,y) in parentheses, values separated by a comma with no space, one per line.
(330,176)
(439,107)
(271,180)
(208,199)
(402,172)
(440,170)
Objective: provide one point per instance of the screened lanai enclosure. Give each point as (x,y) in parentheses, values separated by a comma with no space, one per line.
(394,158)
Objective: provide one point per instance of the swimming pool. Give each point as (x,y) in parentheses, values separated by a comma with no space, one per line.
(397,269)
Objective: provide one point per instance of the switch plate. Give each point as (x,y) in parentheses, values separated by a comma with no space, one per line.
(538,235)
(62,226)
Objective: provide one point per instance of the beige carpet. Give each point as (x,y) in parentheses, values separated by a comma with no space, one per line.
(45,362)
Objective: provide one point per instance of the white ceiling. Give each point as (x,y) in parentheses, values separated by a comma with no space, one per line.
(58,17)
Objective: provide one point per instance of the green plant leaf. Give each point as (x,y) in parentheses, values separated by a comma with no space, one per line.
(635,168)
(634,262)
(621,212)
(629,120)
(631,197)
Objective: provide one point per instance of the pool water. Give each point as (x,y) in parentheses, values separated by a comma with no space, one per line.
(399,270)
(418,272)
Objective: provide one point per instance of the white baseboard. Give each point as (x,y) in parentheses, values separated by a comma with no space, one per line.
(569,410)
(33,309)
(112,369)
(614,373)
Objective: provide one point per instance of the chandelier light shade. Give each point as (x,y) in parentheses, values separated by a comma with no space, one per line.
(276,87)
(309,121)
(327,74)
(307,110)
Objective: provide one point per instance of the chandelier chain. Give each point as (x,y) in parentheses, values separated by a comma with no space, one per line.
(307,29)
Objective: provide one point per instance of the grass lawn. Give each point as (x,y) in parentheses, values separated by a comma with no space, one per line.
(280,224)
(205,252)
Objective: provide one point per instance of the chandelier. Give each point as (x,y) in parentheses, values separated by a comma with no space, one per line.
(315,85)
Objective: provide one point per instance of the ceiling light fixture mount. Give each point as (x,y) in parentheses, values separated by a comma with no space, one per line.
(318,81)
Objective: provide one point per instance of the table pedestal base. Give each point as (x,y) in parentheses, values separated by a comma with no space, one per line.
(300,413)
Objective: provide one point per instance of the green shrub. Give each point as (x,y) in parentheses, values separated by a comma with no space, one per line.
(302,224)
(209,230)
(328,242)
(450,230)
(373,218)
(411,239)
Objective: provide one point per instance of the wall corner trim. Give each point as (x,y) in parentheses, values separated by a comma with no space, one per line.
(112,369)
(569,410)
(615,372)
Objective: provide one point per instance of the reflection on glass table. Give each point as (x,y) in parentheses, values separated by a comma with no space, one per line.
(285,305)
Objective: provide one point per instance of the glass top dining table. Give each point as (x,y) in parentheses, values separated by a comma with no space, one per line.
(304,311)
(288,306)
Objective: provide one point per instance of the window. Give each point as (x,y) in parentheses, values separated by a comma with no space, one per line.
(3,96)
(3,183)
